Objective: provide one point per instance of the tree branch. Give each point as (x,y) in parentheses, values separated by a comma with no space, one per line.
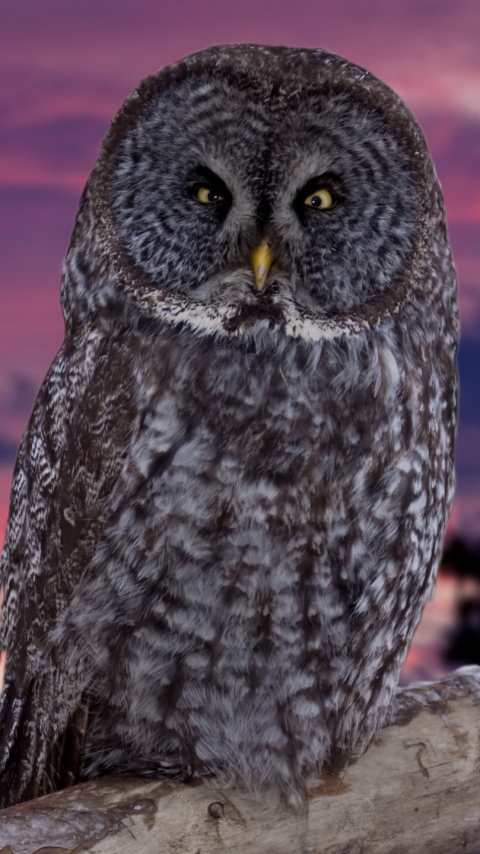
(415,791)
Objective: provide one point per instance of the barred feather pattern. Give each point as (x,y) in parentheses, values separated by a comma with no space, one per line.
(228,507)
(61,478)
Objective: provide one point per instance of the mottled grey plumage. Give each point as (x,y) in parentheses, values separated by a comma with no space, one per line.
(228,506)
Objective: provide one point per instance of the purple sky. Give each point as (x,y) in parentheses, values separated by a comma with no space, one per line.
(66,67)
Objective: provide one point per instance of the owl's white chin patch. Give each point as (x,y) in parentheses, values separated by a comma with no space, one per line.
(231,308)
(244,318)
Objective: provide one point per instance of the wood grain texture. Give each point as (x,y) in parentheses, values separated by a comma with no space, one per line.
(416,790)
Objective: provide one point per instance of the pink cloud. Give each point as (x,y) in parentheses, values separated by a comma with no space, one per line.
(428,50)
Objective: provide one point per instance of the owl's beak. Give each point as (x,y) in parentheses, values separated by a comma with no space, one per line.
(262,259)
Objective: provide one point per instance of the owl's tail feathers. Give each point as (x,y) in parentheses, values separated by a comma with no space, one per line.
(34,759)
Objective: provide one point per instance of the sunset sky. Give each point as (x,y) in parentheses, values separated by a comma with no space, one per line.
(65,68)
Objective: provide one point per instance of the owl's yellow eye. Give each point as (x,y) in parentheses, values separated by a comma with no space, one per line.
(207,196)
(320,199)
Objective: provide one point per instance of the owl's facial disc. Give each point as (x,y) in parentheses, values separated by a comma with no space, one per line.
(227,193)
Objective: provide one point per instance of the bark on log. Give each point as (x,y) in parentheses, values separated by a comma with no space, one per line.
(415,791)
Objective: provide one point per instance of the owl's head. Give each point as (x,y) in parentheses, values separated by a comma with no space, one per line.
(251,183)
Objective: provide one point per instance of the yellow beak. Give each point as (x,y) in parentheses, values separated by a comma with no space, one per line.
(262,259)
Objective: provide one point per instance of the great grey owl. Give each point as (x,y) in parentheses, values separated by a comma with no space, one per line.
(228,506)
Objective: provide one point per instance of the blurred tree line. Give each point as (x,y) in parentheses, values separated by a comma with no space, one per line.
(462,559)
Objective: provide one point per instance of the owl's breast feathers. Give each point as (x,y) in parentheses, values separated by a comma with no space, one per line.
(228,534)
(253,537)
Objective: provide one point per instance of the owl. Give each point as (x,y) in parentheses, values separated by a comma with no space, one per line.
(228,506)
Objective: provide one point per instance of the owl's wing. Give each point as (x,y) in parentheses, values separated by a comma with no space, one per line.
(69,459)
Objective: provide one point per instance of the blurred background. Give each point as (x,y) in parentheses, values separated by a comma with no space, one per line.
(65,68)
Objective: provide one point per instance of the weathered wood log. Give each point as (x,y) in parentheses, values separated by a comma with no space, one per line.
(415,791)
